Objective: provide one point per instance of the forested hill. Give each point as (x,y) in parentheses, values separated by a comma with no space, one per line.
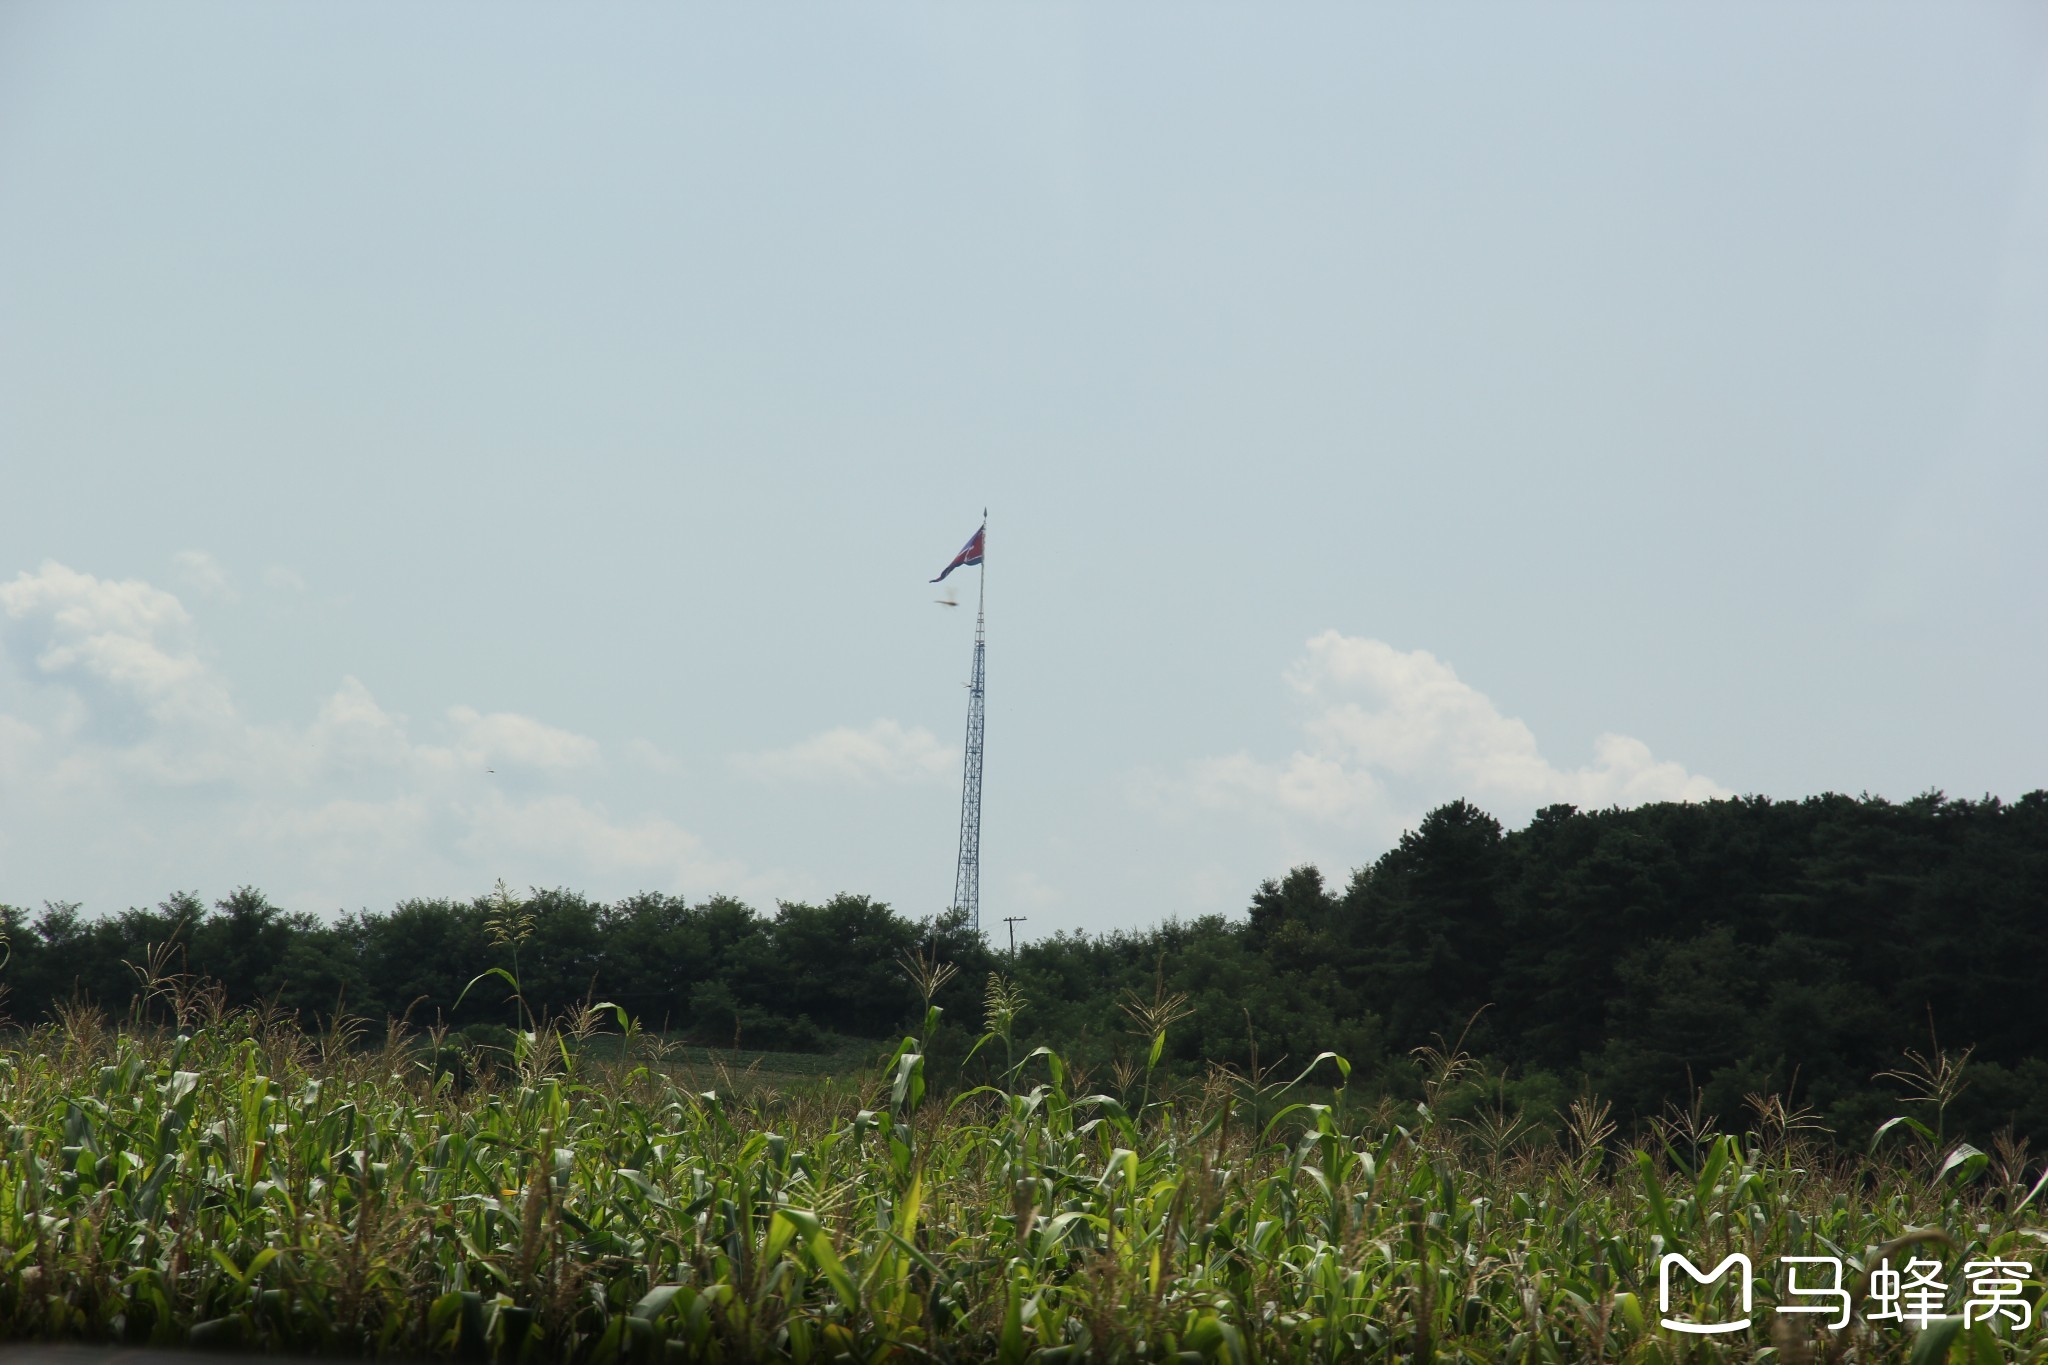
(1732,947)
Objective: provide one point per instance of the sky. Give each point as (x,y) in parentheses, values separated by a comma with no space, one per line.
(444,443)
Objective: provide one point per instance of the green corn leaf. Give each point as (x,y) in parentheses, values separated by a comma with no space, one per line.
(1965,1162)
(1932,1345)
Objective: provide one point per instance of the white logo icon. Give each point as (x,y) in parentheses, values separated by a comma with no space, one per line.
(1699,1276)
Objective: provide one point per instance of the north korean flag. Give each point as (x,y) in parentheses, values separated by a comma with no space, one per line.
(970,553)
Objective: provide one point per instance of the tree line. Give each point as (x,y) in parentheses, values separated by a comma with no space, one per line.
(1669,955)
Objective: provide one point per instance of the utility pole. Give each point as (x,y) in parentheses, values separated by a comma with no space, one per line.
(1013,921)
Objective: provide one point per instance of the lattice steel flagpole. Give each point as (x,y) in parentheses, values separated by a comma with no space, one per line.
(967,871)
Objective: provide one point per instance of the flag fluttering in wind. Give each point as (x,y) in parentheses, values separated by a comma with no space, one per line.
(970,553)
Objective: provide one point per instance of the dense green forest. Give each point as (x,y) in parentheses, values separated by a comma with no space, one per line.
(1693,954)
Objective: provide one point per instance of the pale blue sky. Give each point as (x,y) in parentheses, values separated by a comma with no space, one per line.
(392,393)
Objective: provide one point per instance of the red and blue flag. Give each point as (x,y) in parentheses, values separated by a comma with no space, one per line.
(970,553)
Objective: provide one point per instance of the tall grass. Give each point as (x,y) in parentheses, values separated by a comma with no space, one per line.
(224,1179)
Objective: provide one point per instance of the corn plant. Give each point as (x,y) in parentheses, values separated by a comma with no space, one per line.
(228,1181)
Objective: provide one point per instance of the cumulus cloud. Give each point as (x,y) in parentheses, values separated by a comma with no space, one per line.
(124,737)
(650,844)
(882,752)
(507,738)
(124,643)
(646,754)
(1388,733)
(203,573)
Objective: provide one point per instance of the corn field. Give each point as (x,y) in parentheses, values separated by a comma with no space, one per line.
(231,1182)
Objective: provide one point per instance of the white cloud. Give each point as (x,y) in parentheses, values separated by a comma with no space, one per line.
(646,754)
(504,738)
(18,743)
(882,752)
(125,643)
(1390,733)
(141,750)
(203,573)
(352,733)
(581,831)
